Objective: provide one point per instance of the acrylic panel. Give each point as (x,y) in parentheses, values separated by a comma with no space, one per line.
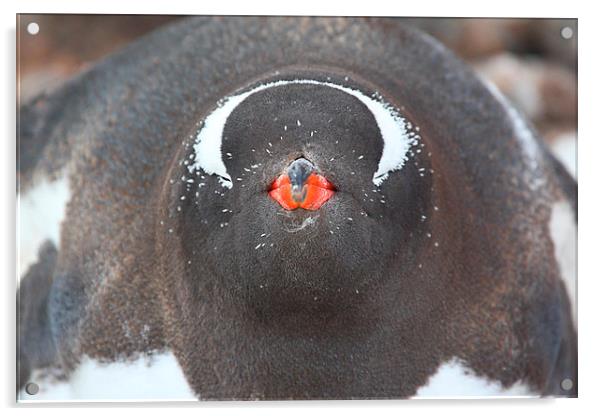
(293,208)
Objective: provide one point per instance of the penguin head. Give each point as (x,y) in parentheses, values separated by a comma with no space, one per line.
(302,192)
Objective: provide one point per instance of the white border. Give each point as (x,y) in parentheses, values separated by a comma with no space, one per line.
(590,147)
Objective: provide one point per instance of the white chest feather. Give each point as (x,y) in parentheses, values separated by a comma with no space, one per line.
(565,150)
(454,380)
(158,378)
(563,231)
(39,215)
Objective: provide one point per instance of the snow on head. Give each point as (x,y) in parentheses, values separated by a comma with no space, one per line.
(397,140)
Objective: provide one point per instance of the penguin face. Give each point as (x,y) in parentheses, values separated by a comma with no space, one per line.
(308,204)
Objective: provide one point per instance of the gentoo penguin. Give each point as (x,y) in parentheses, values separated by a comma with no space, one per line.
(289,208)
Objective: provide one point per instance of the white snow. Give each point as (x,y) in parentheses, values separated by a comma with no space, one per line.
(392,126)
(454,379)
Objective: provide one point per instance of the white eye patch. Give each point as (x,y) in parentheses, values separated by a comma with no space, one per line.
(393,127)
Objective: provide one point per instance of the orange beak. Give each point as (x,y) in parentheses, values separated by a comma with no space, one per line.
(315,192)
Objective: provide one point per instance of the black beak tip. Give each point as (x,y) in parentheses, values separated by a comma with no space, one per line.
(298,172)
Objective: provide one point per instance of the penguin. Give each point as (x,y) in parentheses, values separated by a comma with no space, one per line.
(269,208)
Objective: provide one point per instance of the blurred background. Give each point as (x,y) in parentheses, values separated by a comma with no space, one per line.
(532,61)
